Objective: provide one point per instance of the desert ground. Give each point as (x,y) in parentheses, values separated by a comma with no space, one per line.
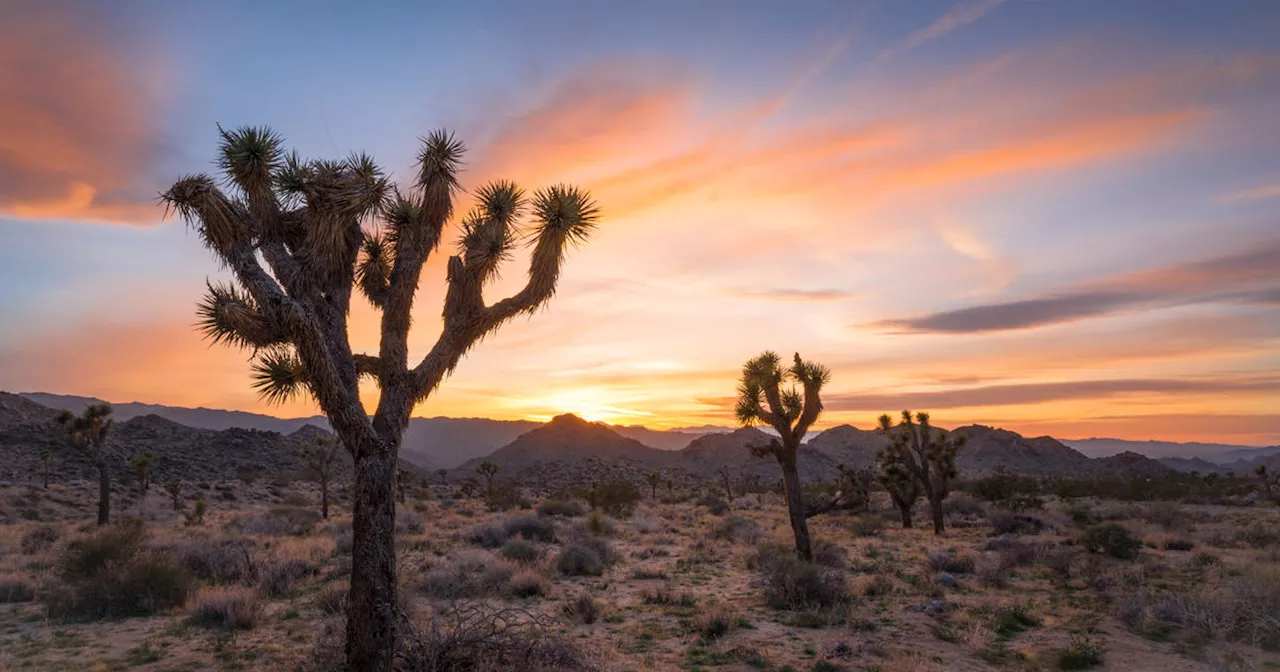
(686,582)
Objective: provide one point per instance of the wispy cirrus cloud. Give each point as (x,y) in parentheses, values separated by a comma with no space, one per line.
(792,294)
(80,119)
(957,17)
(1248,276)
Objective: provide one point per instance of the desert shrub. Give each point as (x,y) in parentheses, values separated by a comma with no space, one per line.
(992,571)
(618,497)
(790,583)
(113,545)
(644,522)
(1165,514)
(1244,608)
(961,504)
(1002,486)
(1059,560)
(16,589)
(528,583)
(737,528)
(1204,558)
(408,521)
(280,521)
(581,609)
(296,499)
(1113,539)
(830,555)
(332,600)
(1012,552)
(521,551)
(715,505)
(1013,620)
(947,560)
(1259,534)
(39,539)
(343,540)
(713,623)
(561,508)
(649,574)
(599,526)
(475,637)
(139,584)
(1008,522)
(466,575)
(1178,544)
(224,561)
(584,559)
(492,535)
(505,496)
(532,528)
(231,608)
(867,525)
(1081,653)
(667,596)
(278,575)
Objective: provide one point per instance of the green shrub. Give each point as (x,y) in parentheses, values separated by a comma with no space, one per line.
(581,609)
(715,505)
(1081,653)
(532,528)
(790,583)
(618,497)
(521,551)
(140,585)
(528,583)
(561,508)
(1113,539)
(505,496)
(713,623)
(230,608)
(588,557)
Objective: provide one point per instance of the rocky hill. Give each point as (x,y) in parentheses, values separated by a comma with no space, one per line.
(1218,453)
(705,457)
(183,452)
(568,438)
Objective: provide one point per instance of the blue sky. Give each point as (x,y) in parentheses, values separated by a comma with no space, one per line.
(1089,190)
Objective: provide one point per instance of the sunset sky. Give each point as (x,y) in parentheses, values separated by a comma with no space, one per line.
(1056,216)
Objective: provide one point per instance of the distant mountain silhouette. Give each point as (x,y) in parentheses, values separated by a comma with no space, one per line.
(1218,453)
(569,438)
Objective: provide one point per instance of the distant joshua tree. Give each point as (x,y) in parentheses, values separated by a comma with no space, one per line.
(929,456)
(293,234)
(141,465)
(173,486)
(318,458)
(894,474)
(726,482)
(44,458)
(488,470)
(1270,481)
(790,412)
(654,478)
(88,433)
(444,476)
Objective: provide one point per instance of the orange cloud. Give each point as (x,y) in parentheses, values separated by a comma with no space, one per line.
(77,118)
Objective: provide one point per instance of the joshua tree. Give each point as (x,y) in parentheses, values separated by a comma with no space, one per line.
(670,488)
(488,470)
(196,515)
(318,458)
(141,465)
(653,478)
(44,458)
(291,233)
(856,484)
(88,433)
(928,456)
(726,483)
(444,476)
(1269,480)
(174,487)
(895,476)
(790,412)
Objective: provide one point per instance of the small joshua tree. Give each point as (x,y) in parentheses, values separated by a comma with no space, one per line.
(1269,480)
(444,476)
(726,482)
(895,476)
(173,486)
(88,433)
(318,458)
(293,234)
(141,465)
(196,515)
(654,478)
(44,458)
(790,412)
(671,488)
(488,470)
(928,455)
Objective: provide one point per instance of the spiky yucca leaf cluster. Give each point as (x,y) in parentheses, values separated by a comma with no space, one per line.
(759,387)
(918,461)
(87,431)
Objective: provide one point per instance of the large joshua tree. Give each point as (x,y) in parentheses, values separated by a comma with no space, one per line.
(88,433)
(926,454)
(298,237)
(790,411)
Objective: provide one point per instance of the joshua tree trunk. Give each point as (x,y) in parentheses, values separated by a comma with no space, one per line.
(935,507)
(104,492)
(324,499)
(906,516)
(795,509)
(371,635)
